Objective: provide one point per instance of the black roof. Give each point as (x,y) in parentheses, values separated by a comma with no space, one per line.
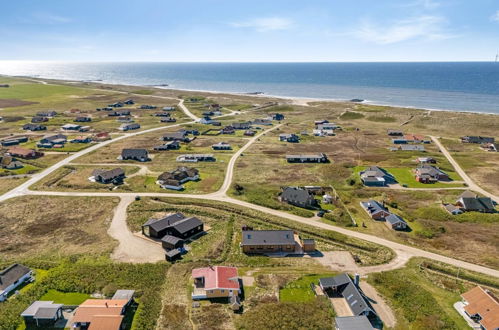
(171,239)
(11,274)
(355,299)
(134,153)
(161,224)
(268,237)
(185,225)
(478,203)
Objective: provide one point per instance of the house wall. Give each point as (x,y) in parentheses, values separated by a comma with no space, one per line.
(268,248)
(12,287)
(220,293)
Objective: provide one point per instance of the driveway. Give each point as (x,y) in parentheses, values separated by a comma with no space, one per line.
(384,311)
(131,248)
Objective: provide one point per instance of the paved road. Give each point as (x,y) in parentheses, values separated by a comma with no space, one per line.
(471,184)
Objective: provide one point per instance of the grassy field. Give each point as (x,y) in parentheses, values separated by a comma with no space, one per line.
(423,299)
(211,173)
(431,227)
(57,226)
(479,164)
(66,298)
(300,290)
(24,98)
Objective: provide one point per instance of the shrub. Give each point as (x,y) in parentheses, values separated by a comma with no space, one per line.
(313,315)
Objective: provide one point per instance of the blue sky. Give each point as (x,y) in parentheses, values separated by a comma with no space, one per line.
(252,31)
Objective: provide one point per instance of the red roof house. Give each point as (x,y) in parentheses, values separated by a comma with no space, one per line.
(215,282)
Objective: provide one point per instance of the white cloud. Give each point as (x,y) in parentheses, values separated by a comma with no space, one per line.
(426,4)
(266,24)
(495,17)
(420,27)
(45,18)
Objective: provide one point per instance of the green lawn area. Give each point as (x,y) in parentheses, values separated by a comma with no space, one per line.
(66,298)
(405,176)
(422,300)
(36,91)
(26,169)
(300,290)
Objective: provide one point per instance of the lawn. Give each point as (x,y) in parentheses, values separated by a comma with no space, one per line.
(423,299)
(405,177)
(66,298)
(300,290)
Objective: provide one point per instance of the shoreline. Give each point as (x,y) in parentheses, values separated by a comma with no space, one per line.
(295,100)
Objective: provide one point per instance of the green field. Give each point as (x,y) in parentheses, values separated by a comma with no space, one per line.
(300,290)
(66,298)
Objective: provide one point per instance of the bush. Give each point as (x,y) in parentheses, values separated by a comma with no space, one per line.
(313,315)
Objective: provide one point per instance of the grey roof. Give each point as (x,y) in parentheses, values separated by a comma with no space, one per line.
(354,298)
(173,253)
(11,274)
(453,209)
(180,135)
(429,170)
(297,195)
(353,323)
(268,237)
(47,313)
(394,219)
(307,156)
(374,171)
(48,309)
(171,239)
(308,241)
(160,224)
(373,207)
(185,225)
(56,137)
(468,194)
(123,294)
(109,174)
(478,139)
(411,147)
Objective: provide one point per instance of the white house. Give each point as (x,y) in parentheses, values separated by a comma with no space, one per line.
(12,277)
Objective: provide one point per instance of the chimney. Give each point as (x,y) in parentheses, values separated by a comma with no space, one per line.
(356,280)
(106,305)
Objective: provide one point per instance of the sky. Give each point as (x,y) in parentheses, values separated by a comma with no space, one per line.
(249,31)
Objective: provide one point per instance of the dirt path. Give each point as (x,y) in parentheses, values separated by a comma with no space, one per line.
(131,248)
(343,261)
(471,184)
(384,311)
(187,111)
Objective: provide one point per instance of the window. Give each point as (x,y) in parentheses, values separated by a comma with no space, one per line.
(249,236)
(223,291)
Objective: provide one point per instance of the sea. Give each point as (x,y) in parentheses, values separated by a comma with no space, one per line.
(453,86)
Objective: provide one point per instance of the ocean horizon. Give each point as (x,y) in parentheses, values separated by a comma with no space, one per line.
(452,86)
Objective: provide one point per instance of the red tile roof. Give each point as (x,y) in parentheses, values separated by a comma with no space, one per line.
(218,277)
(484,303)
